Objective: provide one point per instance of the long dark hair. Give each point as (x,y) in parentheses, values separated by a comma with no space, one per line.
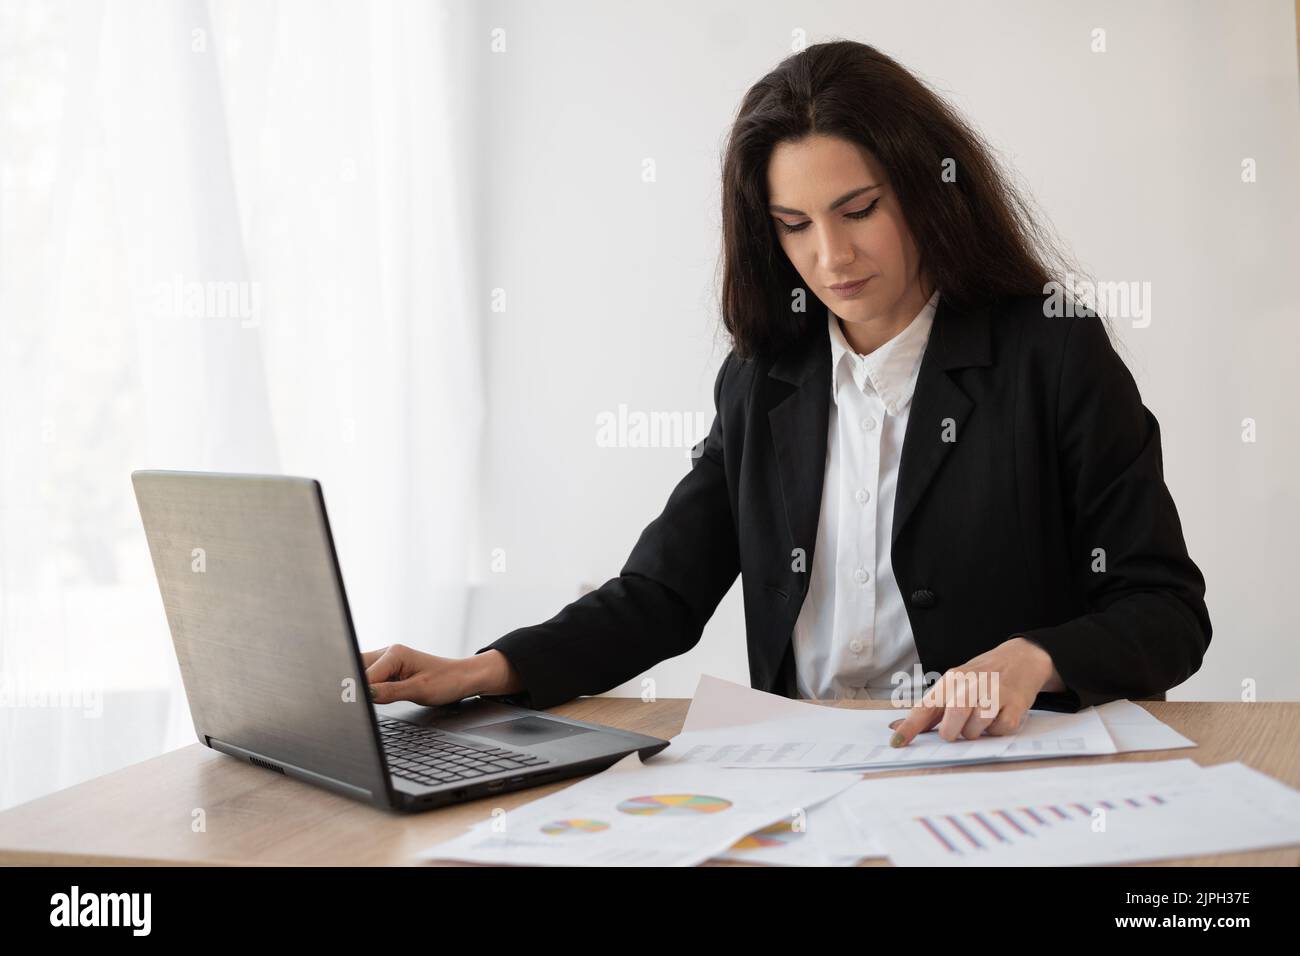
(977,237)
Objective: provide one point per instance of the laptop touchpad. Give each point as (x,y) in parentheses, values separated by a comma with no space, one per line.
(522,731)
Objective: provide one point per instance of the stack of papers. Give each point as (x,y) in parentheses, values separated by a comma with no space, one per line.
(1072,816)
(715,793)
(634,814)
(730,725)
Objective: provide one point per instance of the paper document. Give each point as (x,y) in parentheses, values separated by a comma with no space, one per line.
(1133,728)
(829,837)
(1108,813)
(808,744)
(643,815)
(729,725)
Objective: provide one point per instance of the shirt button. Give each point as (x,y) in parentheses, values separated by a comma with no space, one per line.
(855,647)
(861,575)
(862,496)
(868,424)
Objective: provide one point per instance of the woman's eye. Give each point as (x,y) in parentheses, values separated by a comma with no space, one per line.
(863,213)
(860,214)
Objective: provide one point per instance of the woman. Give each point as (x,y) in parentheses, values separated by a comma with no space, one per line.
(917,466)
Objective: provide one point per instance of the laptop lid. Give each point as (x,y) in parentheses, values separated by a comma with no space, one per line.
(255,601)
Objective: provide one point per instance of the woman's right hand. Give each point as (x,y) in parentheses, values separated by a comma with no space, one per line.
(397,673)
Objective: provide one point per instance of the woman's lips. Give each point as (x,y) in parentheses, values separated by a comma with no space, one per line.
(848,291)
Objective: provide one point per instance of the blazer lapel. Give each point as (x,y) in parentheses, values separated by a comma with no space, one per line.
(798,420)
(958,339)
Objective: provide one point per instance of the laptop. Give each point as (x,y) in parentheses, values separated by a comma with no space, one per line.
(254,599)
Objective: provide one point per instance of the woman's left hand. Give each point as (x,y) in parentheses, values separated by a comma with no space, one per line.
(989,694)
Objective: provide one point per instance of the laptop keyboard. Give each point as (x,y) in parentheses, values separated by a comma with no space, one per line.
(429,756)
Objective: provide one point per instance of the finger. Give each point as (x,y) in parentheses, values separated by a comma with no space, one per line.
(976,723)
(922,718)
(954,719)
(980,712)
(961,701)
(1009,721)
(369,657)
(893,724)
(388,667)
(390,691)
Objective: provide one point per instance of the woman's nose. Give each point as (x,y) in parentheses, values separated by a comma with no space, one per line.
(836,251)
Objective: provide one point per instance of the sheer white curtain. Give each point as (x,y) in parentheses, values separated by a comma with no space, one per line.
(233,237)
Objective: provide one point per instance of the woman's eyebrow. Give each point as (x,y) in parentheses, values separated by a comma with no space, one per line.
(835,205)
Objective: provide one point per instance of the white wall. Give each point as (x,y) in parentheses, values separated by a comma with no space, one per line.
(1133,153)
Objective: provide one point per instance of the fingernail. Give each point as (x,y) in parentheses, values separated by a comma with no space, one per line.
(897,740)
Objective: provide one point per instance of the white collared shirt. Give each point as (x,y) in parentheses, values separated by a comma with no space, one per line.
(853,634)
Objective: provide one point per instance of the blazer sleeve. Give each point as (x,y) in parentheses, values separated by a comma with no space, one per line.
(1148,627)
(682,566)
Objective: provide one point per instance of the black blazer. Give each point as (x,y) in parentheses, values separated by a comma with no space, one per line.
(1056,467)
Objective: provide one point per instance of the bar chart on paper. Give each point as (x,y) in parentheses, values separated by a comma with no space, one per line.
(978,831)
(1061,817)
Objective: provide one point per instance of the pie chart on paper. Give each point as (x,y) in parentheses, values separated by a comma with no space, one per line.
(569,827)
(673,805)
(780,833)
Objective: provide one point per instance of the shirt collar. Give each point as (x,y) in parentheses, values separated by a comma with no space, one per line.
(891,370)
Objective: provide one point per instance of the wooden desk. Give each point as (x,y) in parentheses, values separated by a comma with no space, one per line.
(143,814)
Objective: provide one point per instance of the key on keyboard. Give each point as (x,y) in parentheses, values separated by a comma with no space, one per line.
(429,756)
